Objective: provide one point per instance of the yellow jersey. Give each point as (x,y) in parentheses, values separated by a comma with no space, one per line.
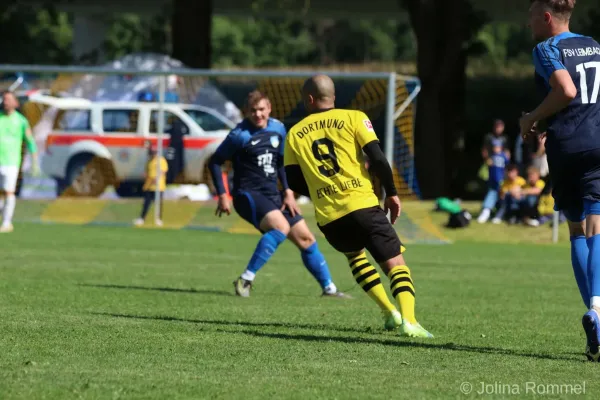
(539,184)
(517,183)
(150,184)
(328,148)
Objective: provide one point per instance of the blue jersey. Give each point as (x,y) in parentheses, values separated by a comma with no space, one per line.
(576,128)
(496,170)
(257,156)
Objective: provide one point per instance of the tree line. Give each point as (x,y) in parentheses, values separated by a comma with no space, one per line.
(44,36)
(441,37)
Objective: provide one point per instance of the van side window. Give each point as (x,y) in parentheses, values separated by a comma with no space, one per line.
(73,121)
(207,121)
(171,121)
(120,120)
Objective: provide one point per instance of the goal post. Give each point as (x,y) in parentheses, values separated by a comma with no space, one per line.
(387,98)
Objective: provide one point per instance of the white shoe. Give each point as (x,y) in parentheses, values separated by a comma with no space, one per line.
(330,289)
(496,221)
(138,222)
(6,228)
(484,216)
(532,222)
(159,222)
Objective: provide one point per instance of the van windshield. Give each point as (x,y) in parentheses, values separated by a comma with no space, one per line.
(207,121)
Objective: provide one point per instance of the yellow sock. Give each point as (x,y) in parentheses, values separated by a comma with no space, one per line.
(403,291)
(368,278)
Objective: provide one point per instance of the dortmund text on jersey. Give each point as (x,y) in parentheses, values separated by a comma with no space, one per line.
(328,148)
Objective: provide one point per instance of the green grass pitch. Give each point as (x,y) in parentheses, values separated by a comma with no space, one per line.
(108,313)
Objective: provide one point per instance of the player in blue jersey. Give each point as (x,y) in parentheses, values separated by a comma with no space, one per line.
(255,148)
(567,68)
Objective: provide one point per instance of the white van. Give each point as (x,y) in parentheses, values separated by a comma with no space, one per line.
(92,145)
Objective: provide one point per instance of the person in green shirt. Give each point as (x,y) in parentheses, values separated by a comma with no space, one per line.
(14,129)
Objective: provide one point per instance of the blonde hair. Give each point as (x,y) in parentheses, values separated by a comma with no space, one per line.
(254,97)
(534,170)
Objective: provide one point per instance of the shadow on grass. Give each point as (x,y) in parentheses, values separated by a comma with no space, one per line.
(399,342)
(176,290)
(239,323)
(161,289)
(424,345)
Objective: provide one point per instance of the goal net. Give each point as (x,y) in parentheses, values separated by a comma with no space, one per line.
(95,128)
(360,93)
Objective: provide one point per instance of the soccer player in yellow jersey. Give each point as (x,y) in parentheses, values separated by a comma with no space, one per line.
(324,160)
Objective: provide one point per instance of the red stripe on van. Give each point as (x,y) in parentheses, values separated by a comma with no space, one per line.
(123,141)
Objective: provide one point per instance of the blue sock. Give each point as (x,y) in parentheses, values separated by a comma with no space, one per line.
(593,265)
(265,248)
(579,259)
(315,263)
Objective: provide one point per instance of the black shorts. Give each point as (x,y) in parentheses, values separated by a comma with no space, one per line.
(253,206)
(366,228)
(575,181)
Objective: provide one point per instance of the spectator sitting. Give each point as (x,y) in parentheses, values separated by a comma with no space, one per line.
(530,197)
(496,163)
(510,195)
(545,208)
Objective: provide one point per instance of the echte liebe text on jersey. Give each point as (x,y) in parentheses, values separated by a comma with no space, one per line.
(338,187)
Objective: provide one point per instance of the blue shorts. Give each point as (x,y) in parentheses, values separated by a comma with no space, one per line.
(253,206)
(576,183)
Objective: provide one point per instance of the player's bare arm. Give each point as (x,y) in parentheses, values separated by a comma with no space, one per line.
(534,191)
(382,170)
(223,206)
(562,92)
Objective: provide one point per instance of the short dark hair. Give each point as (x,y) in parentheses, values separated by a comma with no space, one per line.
(254,97)
(562,8)
(512,167)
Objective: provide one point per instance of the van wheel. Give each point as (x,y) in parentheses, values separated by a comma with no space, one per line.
(87,176)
